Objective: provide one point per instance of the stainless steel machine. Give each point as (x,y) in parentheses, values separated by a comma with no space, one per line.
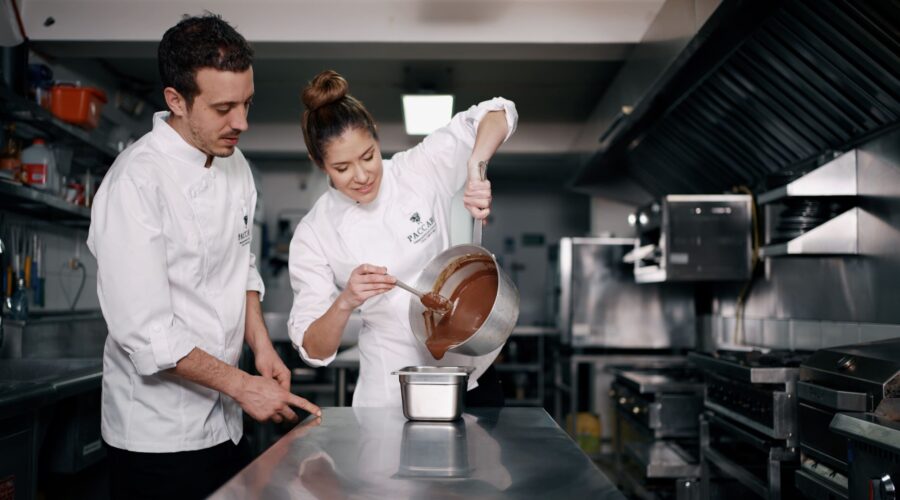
(601,306)
(874,451)
(749,428)
(659,408)
(863,379)
(693,238)
(606,319)
(662,402)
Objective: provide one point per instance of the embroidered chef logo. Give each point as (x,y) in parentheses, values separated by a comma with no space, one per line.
(244,236)
(424,228)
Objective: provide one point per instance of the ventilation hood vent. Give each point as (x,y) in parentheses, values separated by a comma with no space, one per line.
(810,77)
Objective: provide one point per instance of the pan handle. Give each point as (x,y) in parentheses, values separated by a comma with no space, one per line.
(477,225)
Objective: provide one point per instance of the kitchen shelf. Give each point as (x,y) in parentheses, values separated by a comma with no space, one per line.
(89,149)
(38,204)
(662,459)
(837,236)
(529,344)
(835,178)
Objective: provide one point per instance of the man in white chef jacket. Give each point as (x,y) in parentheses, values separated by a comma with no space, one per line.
(171,228)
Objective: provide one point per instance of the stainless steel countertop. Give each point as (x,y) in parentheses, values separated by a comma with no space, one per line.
(377,453)
(29,383)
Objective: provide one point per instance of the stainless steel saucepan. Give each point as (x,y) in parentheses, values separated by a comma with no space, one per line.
(502,318)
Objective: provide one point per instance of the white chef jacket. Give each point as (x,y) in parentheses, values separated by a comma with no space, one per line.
(172,241)
(406,225)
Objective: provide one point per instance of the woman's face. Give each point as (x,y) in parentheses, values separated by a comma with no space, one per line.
(353,163)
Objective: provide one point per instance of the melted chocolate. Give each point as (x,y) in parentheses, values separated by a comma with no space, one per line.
(435,302)
(471,303)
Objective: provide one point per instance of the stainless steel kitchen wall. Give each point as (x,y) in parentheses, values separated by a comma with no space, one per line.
(600,305)
(812,302)
(526,223)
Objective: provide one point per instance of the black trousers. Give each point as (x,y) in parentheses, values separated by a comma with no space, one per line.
(489,392)
(179,475)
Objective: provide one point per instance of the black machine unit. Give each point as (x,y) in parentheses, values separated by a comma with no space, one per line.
(665,403)
(863,379)
(874,451)
(662,407)
(748,431)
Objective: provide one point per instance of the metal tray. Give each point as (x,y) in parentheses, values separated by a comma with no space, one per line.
(433,393)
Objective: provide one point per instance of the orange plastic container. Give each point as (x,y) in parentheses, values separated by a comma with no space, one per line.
(77,105)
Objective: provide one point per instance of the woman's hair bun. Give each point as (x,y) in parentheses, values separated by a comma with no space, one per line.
(327,87)
(330,111)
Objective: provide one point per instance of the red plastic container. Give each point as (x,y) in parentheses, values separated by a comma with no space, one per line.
(77,105)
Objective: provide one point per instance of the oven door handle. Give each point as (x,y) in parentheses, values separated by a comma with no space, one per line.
(832,398)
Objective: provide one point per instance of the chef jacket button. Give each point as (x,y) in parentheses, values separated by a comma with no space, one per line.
(193,193)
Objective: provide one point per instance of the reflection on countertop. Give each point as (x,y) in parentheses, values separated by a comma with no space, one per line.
(377,453)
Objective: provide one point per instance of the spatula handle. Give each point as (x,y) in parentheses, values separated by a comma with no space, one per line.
(409,288)
(477,224)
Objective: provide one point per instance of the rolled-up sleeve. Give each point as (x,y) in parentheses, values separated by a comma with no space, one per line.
(445,153)
(132,278)
(254,280)
(314,290)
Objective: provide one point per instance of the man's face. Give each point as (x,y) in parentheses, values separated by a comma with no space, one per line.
(218,114)
(352,161)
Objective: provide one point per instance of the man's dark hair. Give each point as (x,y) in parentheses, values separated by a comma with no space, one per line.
(200,42)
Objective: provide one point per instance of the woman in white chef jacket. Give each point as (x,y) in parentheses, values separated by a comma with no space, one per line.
(383,220)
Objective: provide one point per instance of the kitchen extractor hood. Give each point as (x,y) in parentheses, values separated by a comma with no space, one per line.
(763,85)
